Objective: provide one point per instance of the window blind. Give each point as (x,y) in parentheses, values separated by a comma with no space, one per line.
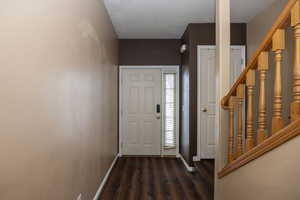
(169,110)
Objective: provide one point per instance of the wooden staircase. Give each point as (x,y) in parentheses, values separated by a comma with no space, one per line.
(243,148)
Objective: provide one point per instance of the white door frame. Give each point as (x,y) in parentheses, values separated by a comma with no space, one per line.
(199,47)
(163,69)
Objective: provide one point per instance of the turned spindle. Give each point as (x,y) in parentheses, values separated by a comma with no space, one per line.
(278,46)
(240,98)
(263,65)
(295,23)
(231,131)
(250,83)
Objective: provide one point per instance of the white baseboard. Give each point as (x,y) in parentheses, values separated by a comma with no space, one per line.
(189,168)
(196,158)
(106,178)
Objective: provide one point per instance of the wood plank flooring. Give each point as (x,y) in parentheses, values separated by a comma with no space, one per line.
(139,178)
(207,169)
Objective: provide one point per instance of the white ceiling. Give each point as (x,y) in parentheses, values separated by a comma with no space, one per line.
(169,18)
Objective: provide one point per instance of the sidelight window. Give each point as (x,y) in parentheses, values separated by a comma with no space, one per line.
(169,100)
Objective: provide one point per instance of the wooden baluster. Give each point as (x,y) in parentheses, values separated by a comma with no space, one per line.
(240,98)
(278,46)
(250,82)
(295,23)
(231,131)
(263,65)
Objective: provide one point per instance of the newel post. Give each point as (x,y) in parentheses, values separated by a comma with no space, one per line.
(263,65)
(278,46)
(295,23)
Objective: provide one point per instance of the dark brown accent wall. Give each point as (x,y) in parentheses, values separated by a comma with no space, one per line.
(149,52)
(184,141)
(197,34)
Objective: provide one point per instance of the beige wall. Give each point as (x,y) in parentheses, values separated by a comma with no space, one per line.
(259,26)
(274,176)
(58,98)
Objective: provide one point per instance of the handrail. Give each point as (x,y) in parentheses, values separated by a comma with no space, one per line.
(265,45)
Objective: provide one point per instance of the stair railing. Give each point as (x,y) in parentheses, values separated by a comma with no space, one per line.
(258,142)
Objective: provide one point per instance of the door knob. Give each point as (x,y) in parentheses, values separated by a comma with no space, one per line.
(204,110)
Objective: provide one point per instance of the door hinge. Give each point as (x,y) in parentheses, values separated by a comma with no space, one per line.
(242,61)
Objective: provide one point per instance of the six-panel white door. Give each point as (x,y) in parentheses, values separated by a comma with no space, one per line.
(237,62)
(207,95)
(140,121)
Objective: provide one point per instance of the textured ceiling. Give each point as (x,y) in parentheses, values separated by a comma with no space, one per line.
(169,18)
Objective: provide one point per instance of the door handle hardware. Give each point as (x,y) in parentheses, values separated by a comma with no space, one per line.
(157,108)
(204,110)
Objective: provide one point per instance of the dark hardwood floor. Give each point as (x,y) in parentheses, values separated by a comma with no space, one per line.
(207,169)
(158,179)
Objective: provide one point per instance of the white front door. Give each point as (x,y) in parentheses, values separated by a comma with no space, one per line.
(140,111)
(207,95)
